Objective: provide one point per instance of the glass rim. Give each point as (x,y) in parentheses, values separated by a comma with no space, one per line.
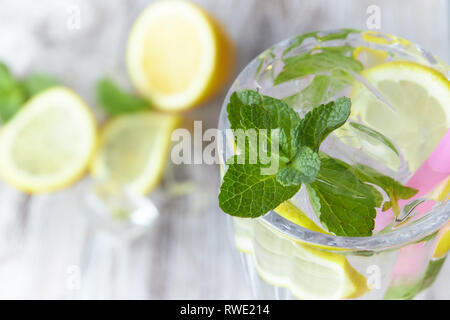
(415,231)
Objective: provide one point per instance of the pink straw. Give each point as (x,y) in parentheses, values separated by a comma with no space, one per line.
(432,172)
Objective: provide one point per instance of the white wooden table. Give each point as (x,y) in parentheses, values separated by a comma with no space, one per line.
(48,246)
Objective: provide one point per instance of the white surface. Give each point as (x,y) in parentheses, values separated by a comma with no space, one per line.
(47,243)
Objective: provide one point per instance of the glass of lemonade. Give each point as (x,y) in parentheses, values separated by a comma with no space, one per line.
(400,111)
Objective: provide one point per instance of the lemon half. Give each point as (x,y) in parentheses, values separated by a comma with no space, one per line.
(416,115)
(177,55)
(49,143)
(133,150)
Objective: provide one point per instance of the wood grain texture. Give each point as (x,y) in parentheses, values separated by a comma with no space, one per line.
(46,239)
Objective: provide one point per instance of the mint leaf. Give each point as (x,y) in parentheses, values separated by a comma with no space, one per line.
(323,62)
(277,113)
(116,101)
(256,117)
(321,89)
(321,121)
(394,189)
(302,169)
(344,204)
(38,82)
(246,193)
(312,95)
(238,100)
(12,94)
(374,134)
(339,34)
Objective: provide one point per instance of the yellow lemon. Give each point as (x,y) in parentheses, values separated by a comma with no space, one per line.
(133,150)
(308,271)
(416,114)
(49,143)
(177,55)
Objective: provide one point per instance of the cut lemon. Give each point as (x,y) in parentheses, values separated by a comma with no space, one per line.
(308,272)
(416,114)
(133,150)
(49,143)
(443,245)
(295,215)
(370,57)
(177,55)
(442,191)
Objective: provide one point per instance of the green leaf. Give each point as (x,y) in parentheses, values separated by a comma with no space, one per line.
(374,134)
(255,117)
(302,169)
(394,189)
(339,34)
(323,62)
(277,113)
(37,82)
(6,79)
(245,192)
(312,95)
(344,204)
(321,121)
(321,89)
(238,100)
(11,102)
(12,94)
(116,101)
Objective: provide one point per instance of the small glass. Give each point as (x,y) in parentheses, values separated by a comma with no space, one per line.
(286,261)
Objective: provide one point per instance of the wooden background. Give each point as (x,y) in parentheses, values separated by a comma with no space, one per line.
(49,246)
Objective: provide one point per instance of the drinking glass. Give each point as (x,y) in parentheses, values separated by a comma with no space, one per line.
(286,261)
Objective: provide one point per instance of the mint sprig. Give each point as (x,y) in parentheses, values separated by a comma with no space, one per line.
(38,82)
(319,36)
(15,92)
(245,184)
(321,89)
(343,196)
(116,101)
(316,63)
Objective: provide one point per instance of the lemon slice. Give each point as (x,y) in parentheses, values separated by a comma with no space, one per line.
(49,143)
(133,150)
(443,244)
(309,272)
(441,193)
(370,57)
(177,55)
(416,114)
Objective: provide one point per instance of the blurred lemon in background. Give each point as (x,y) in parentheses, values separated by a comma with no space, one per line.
(133,150)
(48,143)
(177,55)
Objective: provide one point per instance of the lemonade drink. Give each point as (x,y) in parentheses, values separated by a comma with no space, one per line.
(320,240)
